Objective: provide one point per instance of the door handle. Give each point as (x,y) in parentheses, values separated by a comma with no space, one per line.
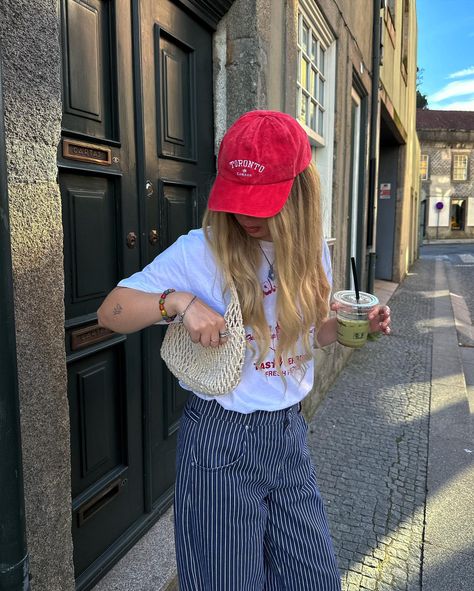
(131,240)
(149,188)
(153,237)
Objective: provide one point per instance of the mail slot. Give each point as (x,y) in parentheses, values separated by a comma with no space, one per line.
(85,152)
(84,337)
(99,501)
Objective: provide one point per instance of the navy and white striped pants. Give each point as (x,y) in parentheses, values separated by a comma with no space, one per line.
(248,513)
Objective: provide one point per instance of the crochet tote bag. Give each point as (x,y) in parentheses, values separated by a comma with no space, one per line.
(210,370)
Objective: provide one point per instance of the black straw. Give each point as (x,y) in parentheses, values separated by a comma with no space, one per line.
(354,275)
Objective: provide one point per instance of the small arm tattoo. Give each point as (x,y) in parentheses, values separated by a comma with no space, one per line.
(117,310)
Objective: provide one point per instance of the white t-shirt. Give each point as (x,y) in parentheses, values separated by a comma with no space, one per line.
(189,265)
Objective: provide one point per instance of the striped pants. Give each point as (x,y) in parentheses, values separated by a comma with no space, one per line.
(248,514)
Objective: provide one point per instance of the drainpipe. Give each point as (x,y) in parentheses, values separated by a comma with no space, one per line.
(374,142)
(14,563)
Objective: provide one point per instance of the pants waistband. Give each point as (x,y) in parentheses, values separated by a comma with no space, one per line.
(212,408)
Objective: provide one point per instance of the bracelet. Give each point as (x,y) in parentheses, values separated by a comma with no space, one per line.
(181,315)
(164,314)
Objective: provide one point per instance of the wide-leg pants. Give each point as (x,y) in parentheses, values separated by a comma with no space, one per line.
(248,513)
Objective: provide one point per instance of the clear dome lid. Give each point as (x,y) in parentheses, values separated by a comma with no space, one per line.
(348,299)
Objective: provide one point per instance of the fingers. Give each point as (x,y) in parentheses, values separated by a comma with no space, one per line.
(380,319)
(205,325)
(386,320)
(213,338)
(382,314)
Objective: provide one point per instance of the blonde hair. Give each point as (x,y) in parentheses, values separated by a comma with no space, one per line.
(303,288)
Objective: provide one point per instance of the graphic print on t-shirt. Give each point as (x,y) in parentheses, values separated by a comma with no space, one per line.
(291,366)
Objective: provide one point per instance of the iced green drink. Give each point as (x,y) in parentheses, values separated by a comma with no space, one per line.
(352,333)
(352,317)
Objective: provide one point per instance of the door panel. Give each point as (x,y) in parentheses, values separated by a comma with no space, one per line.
(179,156)
(90,212)
(90,82)
(175,75)
(179,210)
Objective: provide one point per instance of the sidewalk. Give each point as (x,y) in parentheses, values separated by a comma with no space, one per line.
(376,449)
(392,443)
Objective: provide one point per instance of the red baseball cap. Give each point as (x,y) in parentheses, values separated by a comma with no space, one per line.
(259,158)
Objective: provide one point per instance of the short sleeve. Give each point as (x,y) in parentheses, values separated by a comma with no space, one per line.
(166,271)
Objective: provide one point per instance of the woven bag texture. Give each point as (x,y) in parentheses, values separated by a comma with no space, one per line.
(210,370)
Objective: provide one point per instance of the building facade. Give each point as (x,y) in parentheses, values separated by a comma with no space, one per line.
(399,194)
(447,174)
(110,153)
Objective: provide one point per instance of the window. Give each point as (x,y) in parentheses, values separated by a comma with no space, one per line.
(424,167)
(459,167)
(405,29)
(312,80)
(458,210)
(316,91)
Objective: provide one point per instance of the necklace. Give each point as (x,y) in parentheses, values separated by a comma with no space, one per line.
(271,272)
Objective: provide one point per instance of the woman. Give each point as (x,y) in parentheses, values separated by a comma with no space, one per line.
(248,514)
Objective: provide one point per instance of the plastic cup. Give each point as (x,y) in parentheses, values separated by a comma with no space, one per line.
(352,317)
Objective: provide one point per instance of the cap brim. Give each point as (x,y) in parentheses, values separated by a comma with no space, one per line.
(260,201)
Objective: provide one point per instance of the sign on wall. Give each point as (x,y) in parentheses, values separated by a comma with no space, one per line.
(385,190)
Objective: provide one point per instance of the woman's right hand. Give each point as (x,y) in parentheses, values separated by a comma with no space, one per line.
(204,324)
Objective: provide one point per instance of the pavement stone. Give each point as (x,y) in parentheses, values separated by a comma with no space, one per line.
(369,442)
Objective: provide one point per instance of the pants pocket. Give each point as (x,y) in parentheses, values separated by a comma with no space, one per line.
(218,444)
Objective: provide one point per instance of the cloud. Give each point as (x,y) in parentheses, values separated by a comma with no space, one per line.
(453,89)
(467,105)
(462,73)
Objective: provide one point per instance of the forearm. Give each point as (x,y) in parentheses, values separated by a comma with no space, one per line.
(127,310)
(327,333)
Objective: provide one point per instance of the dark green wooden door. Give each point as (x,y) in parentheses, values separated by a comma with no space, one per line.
(135,163)
(179,163)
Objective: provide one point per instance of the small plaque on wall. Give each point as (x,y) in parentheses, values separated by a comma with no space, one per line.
(93,153)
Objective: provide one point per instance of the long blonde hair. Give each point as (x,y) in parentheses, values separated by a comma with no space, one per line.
(303,288)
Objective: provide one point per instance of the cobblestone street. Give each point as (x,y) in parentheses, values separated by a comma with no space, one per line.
(369,441)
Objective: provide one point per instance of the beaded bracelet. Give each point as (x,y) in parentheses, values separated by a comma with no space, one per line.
(164,314)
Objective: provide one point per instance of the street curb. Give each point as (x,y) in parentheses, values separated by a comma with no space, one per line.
(448,241)
(171,585)
(449,429)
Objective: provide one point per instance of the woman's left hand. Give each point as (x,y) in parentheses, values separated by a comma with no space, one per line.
(380,320)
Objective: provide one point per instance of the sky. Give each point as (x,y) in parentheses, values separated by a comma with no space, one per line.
(446,53)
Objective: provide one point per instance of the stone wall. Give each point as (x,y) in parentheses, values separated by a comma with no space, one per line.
(32,95)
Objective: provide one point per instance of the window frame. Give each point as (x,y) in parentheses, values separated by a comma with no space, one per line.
(322,147)
(318,30)
(455,168)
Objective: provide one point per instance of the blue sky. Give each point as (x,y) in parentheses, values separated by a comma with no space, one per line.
(446,53)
